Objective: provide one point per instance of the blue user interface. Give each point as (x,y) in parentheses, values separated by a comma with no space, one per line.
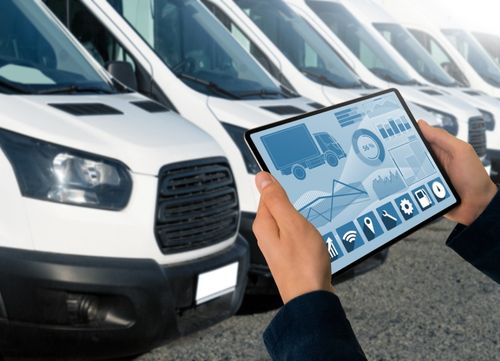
(359,173)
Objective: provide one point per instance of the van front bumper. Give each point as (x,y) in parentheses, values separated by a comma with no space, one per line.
(64,305)
(494,157)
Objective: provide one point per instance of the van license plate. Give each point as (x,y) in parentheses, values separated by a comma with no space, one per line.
(217,282)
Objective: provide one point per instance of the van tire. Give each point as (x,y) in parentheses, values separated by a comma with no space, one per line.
(331,159)
(299,172)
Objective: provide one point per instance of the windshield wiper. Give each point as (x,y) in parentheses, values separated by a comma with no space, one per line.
(289,93)
(366,85)
(74,89)
(209,85)
(260,92)
(4,83)
(323,79)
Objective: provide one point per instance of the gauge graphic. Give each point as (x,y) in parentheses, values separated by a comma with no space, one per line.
(368,147)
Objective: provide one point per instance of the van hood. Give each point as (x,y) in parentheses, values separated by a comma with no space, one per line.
(341,95)
(143,140)
(430,97)
(253,113)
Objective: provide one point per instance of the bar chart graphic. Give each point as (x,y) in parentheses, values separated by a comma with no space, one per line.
(348,116)
(412,161)
(394,127)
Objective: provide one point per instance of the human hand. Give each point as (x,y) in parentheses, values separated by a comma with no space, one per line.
(294,250)
(465,170)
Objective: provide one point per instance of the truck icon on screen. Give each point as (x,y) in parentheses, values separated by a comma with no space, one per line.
(294,149)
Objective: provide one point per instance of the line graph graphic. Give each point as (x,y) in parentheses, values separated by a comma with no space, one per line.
(388,184)
(323,209)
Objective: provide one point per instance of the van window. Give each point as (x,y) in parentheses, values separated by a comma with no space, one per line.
(197,48)
(248,44)
(440,56)
(475,55)
(89,31)
(37,56)
(102,45)
(414,54)
(360,41)
(491,43)
(300,42)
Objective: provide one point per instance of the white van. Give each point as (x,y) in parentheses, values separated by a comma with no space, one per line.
(308,64)
(432,74)
(117,215)
(441,50)
(424,25)
(194,66)
(490,41)
(345,21)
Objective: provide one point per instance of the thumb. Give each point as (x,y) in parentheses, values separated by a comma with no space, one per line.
(274,197)
(438,137)
(262,180)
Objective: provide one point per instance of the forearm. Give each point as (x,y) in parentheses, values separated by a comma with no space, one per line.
(479,243)
(312,327)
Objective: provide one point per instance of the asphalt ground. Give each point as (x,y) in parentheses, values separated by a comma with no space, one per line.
(424,303)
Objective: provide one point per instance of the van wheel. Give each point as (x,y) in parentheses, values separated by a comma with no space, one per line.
(299,171)
(331,159)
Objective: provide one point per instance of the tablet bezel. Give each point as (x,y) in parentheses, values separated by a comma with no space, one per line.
(423,223)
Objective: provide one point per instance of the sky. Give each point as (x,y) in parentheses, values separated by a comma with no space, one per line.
(479,15)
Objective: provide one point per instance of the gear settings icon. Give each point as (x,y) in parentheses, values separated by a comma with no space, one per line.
(406,206)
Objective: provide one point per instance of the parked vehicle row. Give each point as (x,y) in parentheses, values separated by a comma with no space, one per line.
(128,195)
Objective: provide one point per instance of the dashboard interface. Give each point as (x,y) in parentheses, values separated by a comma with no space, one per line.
(360,173)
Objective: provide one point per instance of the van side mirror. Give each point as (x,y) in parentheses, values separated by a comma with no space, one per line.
(123,71)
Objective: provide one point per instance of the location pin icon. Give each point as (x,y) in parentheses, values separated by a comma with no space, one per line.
(369,224)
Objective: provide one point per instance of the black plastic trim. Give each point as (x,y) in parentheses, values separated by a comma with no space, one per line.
(150,106)
(284,109)
(316,105)
(86,109)
(494,157)
(226,227)
(162,298)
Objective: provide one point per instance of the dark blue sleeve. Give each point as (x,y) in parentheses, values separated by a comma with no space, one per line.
(479,243)
(312,327)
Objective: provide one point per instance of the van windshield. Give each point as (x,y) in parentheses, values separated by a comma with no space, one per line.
(197,48)
(36,56)
(302,45)
(475,55)
(361,42)
(415,54)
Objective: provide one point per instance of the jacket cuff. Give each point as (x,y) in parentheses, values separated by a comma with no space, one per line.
(462,235)
(477,242)
(311,323)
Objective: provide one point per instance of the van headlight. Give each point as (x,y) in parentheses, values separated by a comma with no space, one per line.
(489,120)
(55,173)
(238,135)
(448,121)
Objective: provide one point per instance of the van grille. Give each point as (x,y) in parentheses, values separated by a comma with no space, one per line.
(477,135)
(197,205)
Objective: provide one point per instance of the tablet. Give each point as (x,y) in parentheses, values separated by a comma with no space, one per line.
(359,171)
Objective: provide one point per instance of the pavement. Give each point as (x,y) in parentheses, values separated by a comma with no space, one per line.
(424,303)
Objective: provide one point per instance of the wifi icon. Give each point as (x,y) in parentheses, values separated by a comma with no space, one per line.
(350,236)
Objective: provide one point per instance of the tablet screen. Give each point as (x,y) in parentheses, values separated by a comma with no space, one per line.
(360,173)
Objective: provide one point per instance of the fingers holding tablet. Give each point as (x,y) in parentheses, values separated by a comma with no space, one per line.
(292,247)
(465,170)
